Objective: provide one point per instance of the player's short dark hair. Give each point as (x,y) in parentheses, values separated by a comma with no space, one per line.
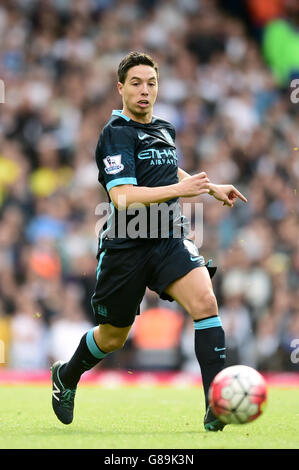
(133,59)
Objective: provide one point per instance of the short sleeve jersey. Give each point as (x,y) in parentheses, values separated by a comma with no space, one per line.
(129,152)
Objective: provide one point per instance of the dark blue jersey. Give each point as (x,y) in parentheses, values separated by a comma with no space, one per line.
(129,152)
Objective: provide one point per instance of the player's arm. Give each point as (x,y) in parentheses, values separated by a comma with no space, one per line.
(226,193)
(125,195)
(182,174)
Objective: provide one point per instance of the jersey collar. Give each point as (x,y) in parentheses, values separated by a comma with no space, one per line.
(118,112)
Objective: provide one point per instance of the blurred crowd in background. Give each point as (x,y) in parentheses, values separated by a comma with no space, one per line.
(225,74)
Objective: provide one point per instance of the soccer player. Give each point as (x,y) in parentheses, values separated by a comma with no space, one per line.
(137,162)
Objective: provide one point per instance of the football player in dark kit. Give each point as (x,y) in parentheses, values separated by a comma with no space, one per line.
(137,162)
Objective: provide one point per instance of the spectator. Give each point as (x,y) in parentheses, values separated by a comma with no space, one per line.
(156,337)
(28,342)
(4,337)
(66,330)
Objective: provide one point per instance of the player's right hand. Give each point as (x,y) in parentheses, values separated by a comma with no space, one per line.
(226,193)
(194,185)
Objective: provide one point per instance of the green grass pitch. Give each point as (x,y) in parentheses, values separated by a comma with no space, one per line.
(139,418)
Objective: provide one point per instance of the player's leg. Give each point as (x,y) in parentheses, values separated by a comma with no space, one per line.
(115,303)
(110,338)
(194,292)
(90,351)
(93,347)
(179,273)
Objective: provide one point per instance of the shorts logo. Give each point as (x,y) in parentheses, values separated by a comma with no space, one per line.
(191,247)
(193,251)
(102,310)
(195,258)
(113,164)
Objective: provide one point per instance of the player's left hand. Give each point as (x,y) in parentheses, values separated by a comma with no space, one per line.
(226,193)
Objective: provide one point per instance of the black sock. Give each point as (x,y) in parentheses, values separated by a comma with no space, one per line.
(86,356)
(209,350)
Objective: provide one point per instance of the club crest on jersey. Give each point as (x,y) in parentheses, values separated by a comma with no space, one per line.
(113,164)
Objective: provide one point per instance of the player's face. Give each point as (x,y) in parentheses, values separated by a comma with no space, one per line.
(139,93)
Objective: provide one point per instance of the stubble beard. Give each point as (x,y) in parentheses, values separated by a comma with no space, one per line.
(141,114)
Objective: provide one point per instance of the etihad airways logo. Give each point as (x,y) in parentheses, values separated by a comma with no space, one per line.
(159,157)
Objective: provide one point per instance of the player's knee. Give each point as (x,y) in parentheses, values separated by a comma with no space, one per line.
(113,343)
(205,306)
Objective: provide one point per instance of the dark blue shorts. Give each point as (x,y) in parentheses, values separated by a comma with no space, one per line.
(124,274)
